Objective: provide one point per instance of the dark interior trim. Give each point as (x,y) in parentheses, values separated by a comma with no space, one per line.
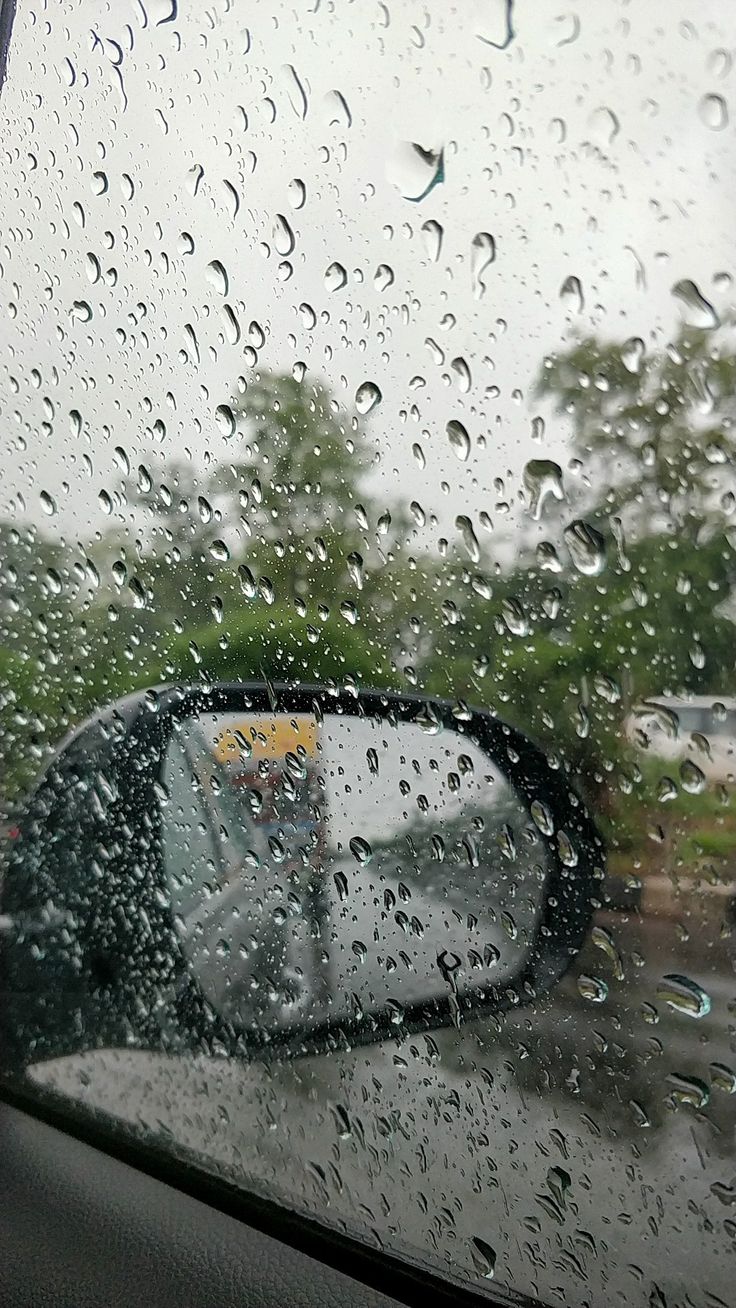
(376,1268)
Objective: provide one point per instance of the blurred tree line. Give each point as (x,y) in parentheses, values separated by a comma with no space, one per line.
(283,564)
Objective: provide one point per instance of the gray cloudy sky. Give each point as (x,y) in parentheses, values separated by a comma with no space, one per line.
(585,148)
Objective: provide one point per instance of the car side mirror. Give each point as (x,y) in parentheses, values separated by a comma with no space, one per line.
(253,869)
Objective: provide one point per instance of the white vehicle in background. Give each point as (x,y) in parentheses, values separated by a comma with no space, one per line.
(701,728)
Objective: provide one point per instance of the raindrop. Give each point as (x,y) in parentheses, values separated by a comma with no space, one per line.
(587,548)
(713,112)
(99,183)
(722,1078)
(82,311)
(462,372)
(367,397)
(361,850)
(482,255)
(468,536)
(296,193)
(495,23)
(688,1090)
(194,178)
(225,419)
(432,232)
(697,311)
(484,1257)
(542,817)
(684,995)
(204,508)
(217,276)
(48,503)
(571,294)
(92,268)
(185,243)
(335,277)
(219,551)
(605,125)
(459,439)
(295,91)
(283,236)
(415,171)
(383,277)
(337,111)
(514,616)
(356,569)
(349,612)
(592,989)
(341,885)
(247,581)
(542,478)
(632,354)
(691,776)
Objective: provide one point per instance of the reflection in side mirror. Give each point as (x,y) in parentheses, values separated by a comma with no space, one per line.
(251,869)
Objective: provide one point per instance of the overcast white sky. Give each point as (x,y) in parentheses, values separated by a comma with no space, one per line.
(584,148)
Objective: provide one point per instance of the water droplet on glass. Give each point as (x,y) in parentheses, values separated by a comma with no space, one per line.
(484,1257)
(592,989)
(542,817)
(367,397)
(283,236)
(335,277)
(383,277)
(605,125)
(356,569)
(185,243)
(225,419)
(432,233)
(691,776)
(587,548)
(571,294)
(468,536)
(361,850)
(48,503)
(482,255)
(684,995)
(219,551)
(688,1090)
(337,110)
(204,509)
(217,276)
(247,581)
(542,478)
(458,438)
(295,91)
(494,23)
(415,171)
(632,354)
(698,312)
(462,372)
(713,112)
(296,193)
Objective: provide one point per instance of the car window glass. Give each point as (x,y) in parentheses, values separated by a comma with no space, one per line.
(391,345)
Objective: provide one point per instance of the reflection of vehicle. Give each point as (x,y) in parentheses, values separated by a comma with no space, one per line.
(701,728)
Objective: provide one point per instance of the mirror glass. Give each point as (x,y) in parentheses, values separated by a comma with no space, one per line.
(326,868)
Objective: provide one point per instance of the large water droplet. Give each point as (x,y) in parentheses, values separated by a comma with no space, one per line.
(415,171)
(684,995)
(469,538)
(713,112)
(297,193)
(688,1090)
(571,294)
(383,277)
(484,1257)
(459,439)
(482,255)
(217,276)
(225,419)
(432,233)
(592,989)
(367,397)
(335,277)
(587,548)
(698,312)
(494,23)
(542,478)
(361,850)
(632,354)
(48,503)
(692,777)
(295,91)
(283,236)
